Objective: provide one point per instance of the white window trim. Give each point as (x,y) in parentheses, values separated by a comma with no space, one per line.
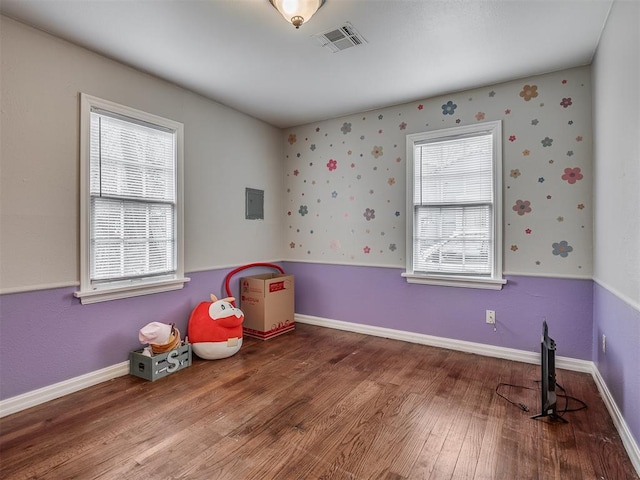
(89,293)
(496,281)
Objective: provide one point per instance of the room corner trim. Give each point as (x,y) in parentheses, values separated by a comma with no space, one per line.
(630,445)
(57,390)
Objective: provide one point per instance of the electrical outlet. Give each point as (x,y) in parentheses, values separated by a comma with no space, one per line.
(604,343)
(491,317)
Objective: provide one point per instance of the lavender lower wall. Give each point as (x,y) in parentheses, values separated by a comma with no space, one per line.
(47,336)
(620,365)
(381,297)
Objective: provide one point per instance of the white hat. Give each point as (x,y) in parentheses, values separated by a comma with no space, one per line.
(156,333)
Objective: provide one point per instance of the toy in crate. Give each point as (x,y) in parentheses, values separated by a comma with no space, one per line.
(165,354)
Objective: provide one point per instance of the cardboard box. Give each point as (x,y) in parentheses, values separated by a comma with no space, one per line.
(267,302)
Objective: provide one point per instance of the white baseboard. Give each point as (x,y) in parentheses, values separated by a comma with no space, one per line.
(618,420)
(57,390)
(497,352)
(448,343)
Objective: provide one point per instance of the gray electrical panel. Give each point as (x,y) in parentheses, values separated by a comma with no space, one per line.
(254,200)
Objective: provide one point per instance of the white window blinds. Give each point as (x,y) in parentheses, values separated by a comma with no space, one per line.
(453,206)
(133,198)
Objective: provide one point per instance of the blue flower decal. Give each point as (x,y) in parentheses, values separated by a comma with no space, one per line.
(449,108)
(562,248)
(346,128)
(303,210)
(546,141)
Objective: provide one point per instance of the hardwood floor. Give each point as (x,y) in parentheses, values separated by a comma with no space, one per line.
(319,403)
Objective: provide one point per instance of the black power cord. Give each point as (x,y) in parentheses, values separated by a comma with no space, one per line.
(566,397)
(520,405)
(524,408)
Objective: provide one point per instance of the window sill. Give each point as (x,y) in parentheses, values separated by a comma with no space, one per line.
(104,295)
(463,282)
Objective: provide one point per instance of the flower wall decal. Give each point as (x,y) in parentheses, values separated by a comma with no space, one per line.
(546,153)
(449,108)
(572,175)
(369,214)
(528,92)
(562,248)
(522,206)
(546,141)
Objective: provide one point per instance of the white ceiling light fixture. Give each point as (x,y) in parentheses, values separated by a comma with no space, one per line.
(297,12)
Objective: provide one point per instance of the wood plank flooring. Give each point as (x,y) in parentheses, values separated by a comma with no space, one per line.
(319,403)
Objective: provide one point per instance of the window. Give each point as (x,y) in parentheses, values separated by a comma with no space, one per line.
(454,190)
(131,202)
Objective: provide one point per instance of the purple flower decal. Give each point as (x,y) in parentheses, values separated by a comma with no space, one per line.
(369,214)
(566,102)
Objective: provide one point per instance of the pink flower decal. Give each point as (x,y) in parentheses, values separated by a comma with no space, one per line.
(366,250)
(420,107)
(332,164)
(480,116)
(512,138)
(572,175)
(522,206)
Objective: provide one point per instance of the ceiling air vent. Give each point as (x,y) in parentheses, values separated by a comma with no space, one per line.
(340,38)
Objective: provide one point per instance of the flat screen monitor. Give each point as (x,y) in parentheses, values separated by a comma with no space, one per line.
(548,397)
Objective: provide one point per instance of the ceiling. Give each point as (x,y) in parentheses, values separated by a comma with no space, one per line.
(243,54)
